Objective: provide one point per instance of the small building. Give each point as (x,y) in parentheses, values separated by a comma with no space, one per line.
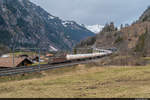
(8,62)
(5,56)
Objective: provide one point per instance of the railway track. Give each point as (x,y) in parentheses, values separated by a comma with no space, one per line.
(31,69)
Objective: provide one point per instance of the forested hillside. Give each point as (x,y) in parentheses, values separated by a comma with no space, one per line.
(133,39)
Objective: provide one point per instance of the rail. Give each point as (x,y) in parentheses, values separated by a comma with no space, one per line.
(31,69)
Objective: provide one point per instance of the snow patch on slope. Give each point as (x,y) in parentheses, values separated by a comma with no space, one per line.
(95,28)
(51,17)
(66,23)
(53,48)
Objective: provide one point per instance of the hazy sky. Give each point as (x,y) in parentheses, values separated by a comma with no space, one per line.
(92,12)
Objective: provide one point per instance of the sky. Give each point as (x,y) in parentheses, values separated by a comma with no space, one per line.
(91,12)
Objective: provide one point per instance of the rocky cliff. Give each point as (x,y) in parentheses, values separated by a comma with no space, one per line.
(23,24)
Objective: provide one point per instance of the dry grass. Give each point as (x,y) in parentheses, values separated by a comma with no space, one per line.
(146,58)
(82,81)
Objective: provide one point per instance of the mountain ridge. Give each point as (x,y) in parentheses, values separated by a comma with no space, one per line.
(27,25)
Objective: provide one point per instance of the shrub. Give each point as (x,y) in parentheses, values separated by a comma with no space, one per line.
(119,39)
(141,43)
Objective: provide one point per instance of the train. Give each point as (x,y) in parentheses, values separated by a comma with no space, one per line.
(79,57)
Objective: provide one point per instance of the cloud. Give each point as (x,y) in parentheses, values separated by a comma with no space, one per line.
(95,11)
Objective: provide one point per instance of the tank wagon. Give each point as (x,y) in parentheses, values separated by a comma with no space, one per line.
(78,57)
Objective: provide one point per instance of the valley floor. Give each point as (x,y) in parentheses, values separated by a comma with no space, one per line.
(82,81)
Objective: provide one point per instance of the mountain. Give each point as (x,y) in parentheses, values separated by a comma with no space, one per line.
(146,15)
(24,24)
(94,28)
(3,49)
(133,39)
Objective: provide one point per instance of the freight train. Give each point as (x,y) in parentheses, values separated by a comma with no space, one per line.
(79,57)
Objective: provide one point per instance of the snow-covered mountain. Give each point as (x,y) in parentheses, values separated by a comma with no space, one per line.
(94,28)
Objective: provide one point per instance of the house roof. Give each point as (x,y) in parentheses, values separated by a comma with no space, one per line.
(8,62)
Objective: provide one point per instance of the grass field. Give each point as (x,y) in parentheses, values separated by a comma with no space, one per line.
(81,81)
